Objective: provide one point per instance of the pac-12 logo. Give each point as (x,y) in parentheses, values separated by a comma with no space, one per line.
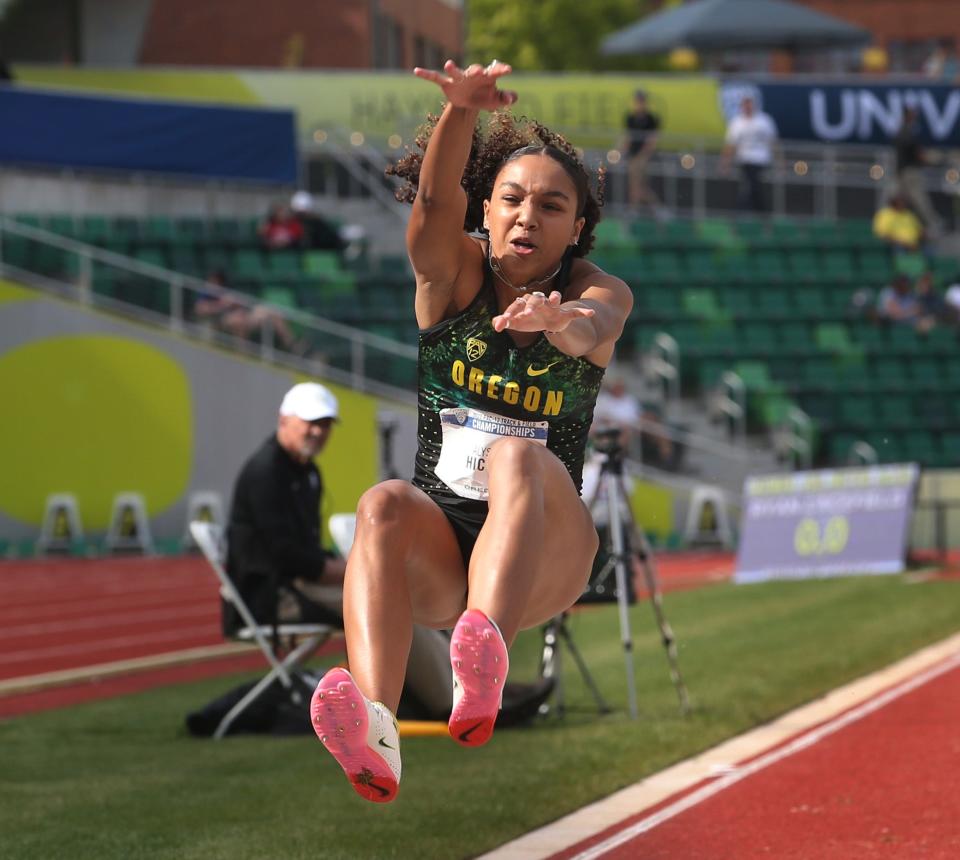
(475,348)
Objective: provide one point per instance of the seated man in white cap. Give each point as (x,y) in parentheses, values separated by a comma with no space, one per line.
(274,551)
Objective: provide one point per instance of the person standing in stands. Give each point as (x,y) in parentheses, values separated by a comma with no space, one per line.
(751,139)
(641,127)
(911,182)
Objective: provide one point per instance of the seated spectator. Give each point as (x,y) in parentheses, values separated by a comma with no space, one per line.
(219,307)
(951,300)
(617,408)
(318,233)
(281,229)
(898,227)
(898,303)
(656,445)
(642,430)
(933,307)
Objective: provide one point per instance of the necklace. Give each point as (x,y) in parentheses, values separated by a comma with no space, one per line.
(523,288)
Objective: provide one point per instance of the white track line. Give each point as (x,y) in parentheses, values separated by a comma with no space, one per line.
(796,730)
(46,680)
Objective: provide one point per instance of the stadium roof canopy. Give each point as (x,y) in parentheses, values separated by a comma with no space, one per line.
(718,25)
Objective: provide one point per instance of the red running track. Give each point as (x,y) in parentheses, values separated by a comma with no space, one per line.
(73,614)
(880,781)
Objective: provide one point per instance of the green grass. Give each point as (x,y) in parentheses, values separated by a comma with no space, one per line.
(122,779)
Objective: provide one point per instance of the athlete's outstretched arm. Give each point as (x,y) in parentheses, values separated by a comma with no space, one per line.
(436,242)
(588,325)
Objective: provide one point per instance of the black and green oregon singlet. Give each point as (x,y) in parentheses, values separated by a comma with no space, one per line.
(466,366)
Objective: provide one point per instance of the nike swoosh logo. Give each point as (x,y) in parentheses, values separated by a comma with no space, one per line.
(384,743)
(534,371)
(465,735)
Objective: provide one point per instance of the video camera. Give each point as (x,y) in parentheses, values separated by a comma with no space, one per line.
(607,441)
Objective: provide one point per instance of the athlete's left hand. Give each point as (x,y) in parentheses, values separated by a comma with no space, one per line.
(537,312)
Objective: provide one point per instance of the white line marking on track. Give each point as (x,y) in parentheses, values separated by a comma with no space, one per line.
(657,788)
(799,744)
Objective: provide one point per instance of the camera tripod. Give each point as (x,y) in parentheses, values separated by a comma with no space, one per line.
(625,538)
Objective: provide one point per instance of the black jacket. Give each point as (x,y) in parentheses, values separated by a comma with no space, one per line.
(273,536)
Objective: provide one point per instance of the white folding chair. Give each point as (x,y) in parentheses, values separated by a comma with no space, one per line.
(342,529)
(209,537)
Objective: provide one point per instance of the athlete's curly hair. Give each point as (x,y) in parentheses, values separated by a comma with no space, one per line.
(507,137)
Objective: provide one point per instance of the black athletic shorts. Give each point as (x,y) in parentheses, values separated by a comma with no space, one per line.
(466,517)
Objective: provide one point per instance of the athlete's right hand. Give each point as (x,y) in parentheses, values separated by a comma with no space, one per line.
(474,87)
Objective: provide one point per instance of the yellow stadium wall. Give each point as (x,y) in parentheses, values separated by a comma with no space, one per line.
(95,406)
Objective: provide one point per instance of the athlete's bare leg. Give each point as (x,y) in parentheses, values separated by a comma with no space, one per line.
(536,549)
(405,566)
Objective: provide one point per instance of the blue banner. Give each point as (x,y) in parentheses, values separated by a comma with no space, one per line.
(256,144)
(853,112)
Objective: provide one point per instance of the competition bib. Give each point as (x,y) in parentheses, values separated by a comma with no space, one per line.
(467,437)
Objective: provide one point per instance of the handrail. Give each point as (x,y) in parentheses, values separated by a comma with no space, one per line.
(359,341)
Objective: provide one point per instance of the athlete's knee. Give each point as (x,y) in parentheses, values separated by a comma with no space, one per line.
(517,456)
(384,506)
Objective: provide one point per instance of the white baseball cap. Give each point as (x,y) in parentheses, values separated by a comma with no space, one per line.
(302,201)
(310,401)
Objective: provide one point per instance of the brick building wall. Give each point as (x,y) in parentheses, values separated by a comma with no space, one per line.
(906,28)
(301,33)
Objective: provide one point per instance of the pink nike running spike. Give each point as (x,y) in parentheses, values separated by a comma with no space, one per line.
(361,735)
(478,656)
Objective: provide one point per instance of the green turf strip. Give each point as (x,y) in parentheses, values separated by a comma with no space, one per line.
(121,778)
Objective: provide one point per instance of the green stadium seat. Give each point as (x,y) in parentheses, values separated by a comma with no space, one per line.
(710,370)
(661,301)
(833,337)
(613,233)
(920,446)
(247,264)
(950,445)
(794,338)
(789,234)
(839,446)
(759,338)
(737,302)
(913,264)
(810,303)
(891,374)
(804,266)
(820,374)
(159,229)
(152,258)
(93,229)
(322,264)
(838,266)
(926,374)
(190,229)
(942,340)
(642,230)
(62,225)
(664,266)
(876,267)
(680,233)
(279,296)
(822,410)
(858,412)
(934,412)
(950,368)
(852,375)
(887,445)
(700,303)
(774,302)
(755,376)
(896,412)
(903,338)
